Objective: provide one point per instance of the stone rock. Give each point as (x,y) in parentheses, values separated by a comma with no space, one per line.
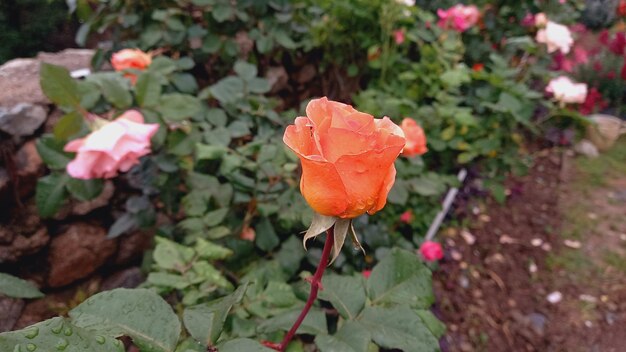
(127,278)
(75,207)
(20,244)
(82,208)
(29,168)
(5,189)
(19,78)
(278,78)
(132,246)
(10,311)
(22,119)
(586,148)
(306,74)
(78,252)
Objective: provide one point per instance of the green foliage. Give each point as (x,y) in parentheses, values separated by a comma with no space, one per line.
(261,308)
(226,187)
(12,286)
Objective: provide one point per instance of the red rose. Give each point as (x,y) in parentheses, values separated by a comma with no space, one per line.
(431,251)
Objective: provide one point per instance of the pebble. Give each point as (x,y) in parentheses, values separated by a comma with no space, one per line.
(546,247)
(536,242)
(555,297)
(484,218)
(592,216)
(506,239)
(468,237)
(622,236)
(610,318)
(456,255)
(572,244)
(463,281)
(587,298)
(588,324)
(532,267)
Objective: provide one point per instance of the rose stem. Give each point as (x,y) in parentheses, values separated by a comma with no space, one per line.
(316,282)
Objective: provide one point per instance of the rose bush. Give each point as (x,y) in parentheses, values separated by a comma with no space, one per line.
(229,79)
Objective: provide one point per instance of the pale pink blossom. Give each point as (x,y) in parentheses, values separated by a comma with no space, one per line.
(541,19)
(458,17)
(567,91)
(556,37)
(398,36)
(114,147)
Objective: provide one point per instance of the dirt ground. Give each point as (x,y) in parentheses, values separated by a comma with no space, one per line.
(561,235)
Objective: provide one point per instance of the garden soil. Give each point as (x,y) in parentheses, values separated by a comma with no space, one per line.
(493,285)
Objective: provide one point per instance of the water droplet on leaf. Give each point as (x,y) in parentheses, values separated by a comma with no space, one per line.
(31,347)
(32,333)
(100,339)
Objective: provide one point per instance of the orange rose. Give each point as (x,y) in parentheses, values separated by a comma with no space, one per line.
(347,158)
(130,59)
(415,138)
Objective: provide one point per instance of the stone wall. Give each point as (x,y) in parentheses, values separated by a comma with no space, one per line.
(72,249)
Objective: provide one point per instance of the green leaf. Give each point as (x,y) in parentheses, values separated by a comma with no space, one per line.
(313,324)
(116,89)
(241,345)
(138,313)
(209,152)
(148,89)
(345,293)
(215,217)
(401,278)
(266,237)
(17,288)
(211,251)
(399,193)
(51,152)
(122,225)
(171,255)
(398,328)
(185,83)
(206,321)
(58,85)
(436,327)
(85,190)
(50,194)
(351,337)
(58,334)
(90,94)
(245,70)
(291,254)
(259,85)
(176,107)
(279,294)
(228,90)
(69,125)
(222,12)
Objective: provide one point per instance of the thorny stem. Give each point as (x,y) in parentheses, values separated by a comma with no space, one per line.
(316,283)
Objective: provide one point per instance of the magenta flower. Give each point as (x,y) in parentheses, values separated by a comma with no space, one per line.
(431,251)
(459,17)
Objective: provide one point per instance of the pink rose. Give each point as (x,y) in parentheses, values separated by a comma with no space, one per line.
(541,19)
(556,37)
(567,91)
(116,146)
(458,17)
(431,251)
(398,35)
(406,217)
